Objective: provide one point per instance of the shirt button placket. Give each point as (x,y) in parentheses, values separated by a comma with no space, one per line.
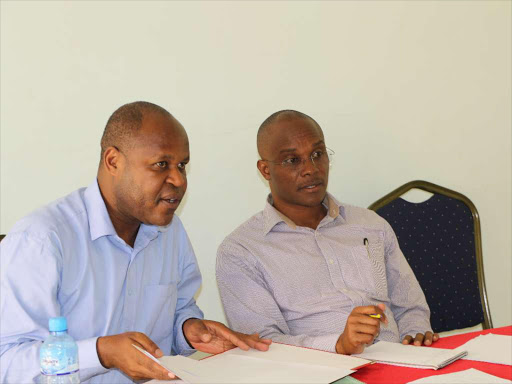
(131,296)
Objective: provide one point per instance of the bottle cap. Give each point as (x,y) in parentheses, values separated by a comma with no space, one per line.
(58,324)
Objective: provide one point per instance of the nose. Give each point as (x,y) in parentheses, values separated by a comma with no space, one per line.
(308,166)
(176,177)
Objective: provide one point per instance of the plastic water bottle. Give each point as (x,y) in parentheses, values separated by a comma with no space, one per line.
(59,355)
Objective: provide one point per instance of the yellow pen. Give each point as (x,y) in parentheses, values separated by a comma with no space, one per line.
(375,315)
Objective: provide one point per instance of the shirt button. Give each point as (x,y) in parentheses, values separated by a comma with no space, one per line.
(331,261)
(130,292)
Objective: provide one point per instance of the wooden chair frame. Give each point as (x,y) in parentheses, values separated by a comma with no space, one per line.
(434,188)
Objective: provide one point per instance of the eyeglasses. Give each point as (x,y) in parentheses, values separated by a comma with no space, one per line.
(319,158)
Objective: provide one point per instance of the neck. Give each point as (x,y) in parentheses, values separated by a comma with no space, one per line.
(126,228)
(302,216)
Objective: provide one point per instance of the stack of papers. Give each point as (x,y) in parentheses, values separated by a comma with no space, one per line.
(411,356)
(280,364)
(489,348)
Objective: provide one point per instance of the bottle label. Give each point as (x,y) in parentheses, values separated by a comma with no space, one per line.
(58,365)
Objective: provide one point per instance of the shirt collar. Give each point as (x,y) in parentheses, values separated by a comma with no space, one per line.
(272,216)
(100,223)
(99,219)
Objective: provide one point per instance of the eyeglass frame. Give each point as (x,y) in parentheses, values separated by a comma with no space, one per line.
(330,153)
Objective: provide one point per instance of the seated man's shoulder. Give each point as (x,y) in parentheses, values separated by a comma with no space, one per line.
(250,231)
(60,215)
(363,216)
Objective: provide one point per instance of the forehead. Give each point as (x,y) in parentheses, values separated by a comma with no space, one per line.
(160,135)
(297,134)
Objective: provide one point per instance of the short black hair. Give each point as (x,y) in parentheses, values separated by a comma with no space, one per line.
(124,123)
(285,114)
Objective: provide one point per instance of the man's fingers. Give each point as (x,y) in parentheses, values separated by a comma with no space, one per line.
(146,368)
(436,336)
(428,338)
(255,342)
(418,340)
(225,333)
(233,337)
(407,339)
(363,338)
(198,332)
(150,369)
(147,344)
(372,310)
(372,330)
(154,371)
(264,341)
(356,319)
(384,318)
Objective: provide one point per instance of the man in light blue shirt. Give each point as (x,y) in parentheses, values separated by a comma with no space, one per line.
(114,260)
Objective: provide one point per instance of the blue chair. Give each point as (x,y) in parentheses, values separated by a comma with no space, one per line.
(441,240)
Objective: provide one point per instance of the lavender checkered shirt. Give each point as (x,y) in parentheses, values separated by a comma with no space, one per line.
(297,285)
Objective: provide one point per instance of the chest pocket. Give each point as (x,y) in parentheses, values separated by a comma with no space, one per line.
(369,274)
(159,308)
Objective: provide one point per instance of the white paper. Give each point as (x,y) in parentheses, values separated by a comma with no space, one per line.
(489,348)
(469,376)
(281,364)
(291,354)
(410,355)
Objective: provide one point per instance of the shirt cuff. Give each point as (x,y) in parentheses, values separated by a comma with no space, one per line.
(88,360)
(325,342)
(182,346)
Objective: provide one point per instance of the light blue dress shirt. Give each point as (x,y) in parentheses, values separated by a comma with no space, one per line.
(67,260)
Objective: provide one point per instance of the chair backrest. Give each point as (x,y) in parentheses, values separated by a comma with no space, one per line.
(441,240)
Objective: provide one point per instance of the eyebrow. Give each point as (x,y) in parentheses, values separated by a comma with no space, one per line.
(170,157)
(294,149)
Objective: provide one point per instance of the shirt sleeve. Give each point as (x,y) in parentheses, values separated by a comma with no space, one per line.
(408,302)
(250,306)
(186,307)
(30,279)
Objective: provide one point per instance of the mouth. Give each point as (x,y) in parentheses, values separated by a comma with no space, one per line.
(171,202)
(311,187)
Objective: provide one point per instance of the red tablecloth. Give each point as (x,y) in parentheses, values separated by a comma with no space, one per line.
(384,374)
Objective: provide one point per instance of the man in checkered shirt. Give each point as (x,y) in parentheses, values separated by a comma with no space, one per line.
(309,270)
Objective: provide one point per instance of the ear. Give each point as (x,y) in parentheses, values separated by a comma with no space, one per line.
(112,159)
(264,169)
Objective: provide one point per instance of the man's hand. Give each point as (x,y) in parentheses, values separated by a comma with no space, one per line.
(213,337)
(361,329)
(117,351)
(425,339)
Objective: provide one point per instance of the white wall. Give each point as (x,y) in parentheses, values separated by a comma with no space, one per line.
(403,91)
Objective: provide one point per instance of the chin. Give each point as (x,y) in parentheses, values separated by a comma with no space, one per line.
(314,200)
(161,221)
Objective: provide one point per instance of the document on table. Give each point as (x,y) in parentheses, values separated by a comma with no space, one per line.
(489,348)
(469,376)
(411,356)
(280,364)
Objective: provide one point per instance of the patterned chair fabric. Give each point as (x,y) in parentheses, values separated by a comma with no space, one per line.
(438,240)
